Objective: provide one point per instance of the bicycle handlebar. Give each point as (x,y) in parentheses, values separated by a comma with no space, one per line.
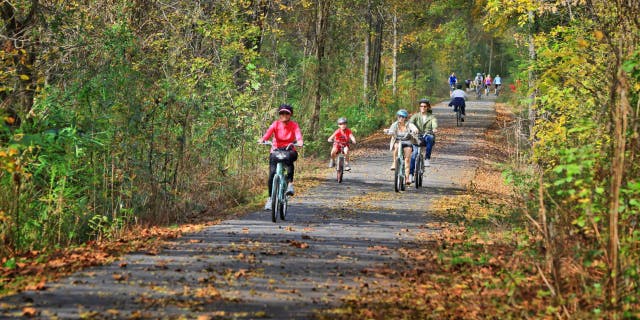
(333,141)
(269,143)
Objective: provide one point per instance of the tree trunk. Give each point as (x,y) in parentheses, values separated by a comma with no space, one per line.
(367,45)
(394,78)
(375,58)
(490,55)
(620,109)
(322,15)
(532,57)
(21,48)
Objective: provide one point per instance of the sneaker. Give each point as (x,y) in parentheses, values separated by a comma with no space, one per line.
(427,163)
(462,119)
(267,206)
(331,163)
(411,178)
(393,168)
(347,167)
(290,189)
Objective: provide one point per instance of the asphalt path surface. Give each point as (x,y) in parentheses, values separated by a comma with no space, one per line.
(251,268)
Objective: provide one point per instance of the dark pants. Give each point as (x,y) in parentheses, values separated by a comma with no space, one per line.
(287,163)
(458,103)
(429,140)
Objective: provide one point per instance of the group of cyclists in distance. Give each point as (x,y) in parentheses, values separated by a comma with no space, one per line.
(410,134)
(480,82)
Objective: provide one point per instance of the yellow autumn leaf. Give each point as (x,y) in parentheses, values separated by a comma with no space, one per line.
(24,77)
(13,151)
(598,34)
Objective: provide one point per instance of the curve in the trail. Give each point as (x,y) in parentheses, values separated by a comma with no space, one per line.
(337,236)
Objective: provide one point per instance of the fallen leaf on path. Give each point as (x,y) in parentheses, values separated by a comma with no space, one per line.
(29,312)
(286,290)
(37,286)
(298,244)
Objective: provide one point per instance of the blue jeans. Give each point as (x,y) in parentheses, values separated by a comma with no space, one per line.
(458,103)
(429,141)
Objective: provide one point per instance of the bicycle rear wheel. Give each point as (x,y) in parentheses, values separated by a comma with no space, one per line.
(340,169)
(459,117)
(275,199)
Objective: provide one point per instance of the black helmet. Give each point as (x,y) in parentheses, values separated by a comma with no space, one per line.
(423,100)
(285,108)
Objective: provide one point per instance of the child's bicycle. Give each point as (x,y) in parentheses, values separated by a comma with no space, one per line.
(279,197)
(340,163)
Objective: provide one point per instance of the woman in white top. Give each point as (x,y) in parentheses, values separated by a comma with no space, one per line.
(404,135)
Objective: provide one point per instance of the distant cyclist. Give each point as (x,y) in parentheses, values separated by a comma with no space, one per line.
(284,132)
(487,84)
(341,138)
(404,135)
(497,82)
(458,100)
(427,125)
(453,80)
(478,82)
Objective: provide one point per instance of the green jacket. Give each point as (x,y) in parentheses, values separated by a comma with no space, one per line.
(424,124)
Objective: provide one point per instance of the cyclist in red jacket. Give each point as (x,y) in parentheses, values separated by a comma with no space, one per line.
(341,138)
(285,133)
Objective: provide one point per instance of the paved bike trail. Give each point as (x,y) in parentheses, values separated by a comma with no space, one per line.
(335,237)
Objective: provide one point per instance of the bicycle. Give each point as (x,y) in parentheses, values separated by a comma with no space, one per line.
(340,163)
(279,197)
(478,91)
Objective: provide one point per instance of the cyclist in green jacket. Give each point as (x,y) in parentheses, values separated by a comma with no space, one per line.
(427,125)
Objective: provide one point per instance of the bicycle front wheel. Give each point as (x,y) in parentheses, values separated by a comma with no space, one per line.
(283,207)
(398,184)
(340,169)
(275,199)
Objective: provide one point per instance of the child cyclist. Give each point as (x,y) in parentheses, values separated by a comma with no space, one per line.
(284,132)
(340,139)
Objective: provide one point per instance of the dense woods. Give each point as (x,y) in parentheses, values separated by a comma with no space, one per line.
(142,112)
